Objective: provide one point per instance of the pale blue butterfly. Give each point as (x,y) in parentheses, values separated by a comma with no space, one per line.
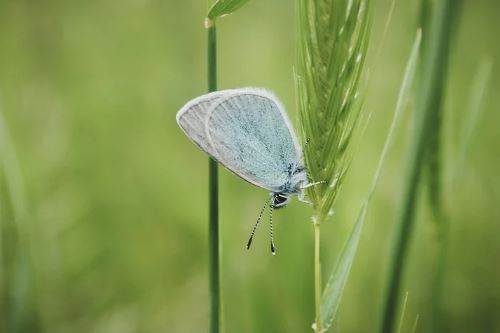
(247,131)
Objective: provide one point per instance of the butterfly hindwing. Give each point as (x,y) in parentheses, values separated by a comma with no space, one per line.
(251,136)
(192,119)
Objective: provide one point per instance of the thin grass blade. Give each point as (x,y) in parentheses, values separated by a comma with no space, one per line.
(415,324)
(403,312)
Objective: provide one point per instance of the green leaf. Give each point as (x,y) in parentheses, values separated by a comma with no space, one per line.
(335,286)
(224,7)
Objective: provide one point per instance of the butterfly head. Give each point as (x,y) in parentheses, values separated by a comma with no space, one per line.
(279,200)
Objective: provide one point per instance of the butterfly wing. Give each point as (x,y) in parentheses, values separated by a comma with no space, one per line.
(252,136)
(247,131)
(192,118)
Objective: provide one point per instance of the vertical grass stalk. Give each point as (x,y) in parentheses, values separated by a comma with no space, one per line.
(317,278)
(332,45)
(213,201)
(218,9)
(435,57)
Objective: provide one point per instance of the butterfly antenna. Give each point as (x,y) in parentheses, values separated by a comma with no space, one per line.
(273,248)
(255,225)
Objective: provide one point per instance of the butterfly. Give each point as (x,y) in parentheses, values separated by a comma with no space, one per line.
(248,132)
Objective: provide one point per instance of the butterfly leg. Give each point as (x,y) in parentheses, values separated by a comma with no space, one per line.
(312,184)
(301,197)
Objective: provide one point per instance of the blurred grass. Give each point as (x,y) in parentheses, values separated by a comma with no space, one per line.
(17,284)
(116,193)
(424,153)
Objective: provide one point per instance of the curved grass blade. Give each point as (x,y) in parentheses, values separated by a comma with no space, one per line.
(335,287)
(224,7)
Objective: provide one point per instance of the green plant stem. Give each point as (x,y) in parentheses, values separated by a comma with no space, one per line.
(317,277)
(213,201)
(435,58)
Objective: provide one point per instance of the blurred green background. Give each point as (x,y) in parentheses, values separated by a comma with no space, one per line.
(103,201)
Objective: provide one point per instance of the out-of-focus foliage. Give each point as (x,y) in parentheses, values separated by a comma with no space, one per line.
(116,196)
